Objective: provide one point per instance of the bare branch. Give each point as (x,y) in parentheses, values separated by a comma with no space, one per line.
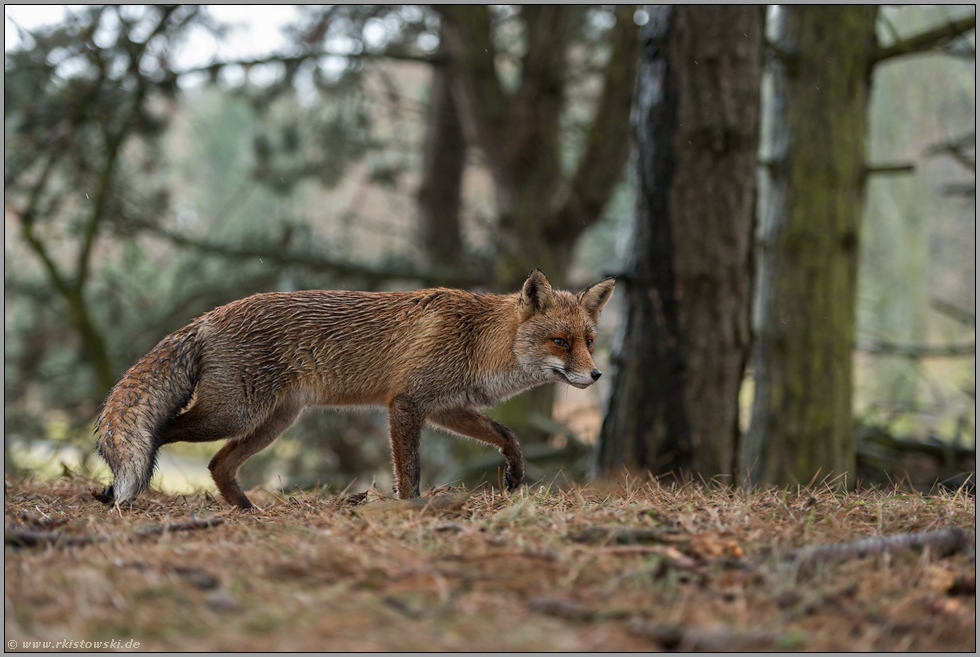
(918,350)
(968,190)
(101,198)
(372,274)
(212,68)
(950,310)
(888,169)
(958,148)
(926,41)
(483,107)
(27,228)
(608,142)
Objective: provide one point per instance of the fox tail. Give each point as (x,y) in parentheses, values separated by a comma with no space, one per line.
(138,409)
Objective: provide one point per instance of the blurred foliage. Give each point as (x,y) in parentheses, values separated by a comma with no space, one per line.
(147,194)
(919,244)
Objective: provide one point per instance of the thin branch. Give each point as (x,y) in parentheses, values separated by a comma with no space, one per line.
(951,310)
(27,226)
(482,104)
(299,59)
(783,55)
(888,169)
(98,206)
(957,149)
(884,20)
(918,350)
(114,142)
(926,41)
(960,189)
(608,142)
(372,274)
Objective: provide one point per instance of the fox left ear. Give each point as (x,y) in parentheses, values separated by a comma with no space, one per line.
(594,297)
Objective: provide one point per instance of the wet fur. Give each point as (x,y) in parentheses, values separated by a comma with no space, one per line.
(245,371)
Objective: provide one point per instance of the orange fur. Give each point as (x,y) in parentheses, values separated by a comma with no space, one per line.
(245,371)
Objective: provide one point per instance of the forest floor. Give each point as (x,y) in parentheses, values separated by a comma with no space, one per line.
(634,566)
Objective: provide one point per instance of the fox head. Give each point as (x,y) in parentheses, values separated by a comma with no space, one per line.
(556,330)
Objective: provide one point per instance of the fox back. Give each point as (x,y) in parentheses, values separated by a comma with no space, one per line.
(244,372)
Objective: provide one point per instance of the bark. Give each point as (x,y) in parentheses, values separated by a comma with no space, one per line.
(443,161)
(801,414)
(680,357)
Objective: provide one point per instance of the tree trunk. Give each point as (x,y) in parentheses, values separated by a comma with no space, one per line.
(444,159)
(814,182)
(680,356)
(542,212)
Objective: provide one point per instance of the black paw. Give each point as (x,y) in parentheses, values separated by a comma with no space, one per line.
(107,496)
(513,478)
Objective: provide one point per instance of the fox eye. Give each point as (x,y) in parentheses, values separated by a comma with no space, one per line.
(561,343)
(588,342)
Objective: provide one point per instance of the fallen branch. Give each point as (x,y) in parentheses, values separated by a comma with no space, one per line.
(183,526)
(620,535)
(22,537)
(941,543)
(572,610)
(437,503)
(31,538)
(680,638)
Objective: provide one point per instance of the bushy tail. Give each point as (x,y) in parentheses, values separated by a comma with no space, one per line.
(139,407)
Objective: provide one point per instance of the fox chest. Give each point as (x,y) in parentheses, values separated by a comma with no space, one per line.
(484,391)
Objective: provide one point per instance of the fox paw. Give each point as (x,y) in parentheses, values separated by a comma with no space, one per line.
(513,478)
(107,496)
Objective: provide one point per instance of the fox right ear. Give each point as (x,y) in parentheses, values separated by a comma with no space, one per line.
(536,295)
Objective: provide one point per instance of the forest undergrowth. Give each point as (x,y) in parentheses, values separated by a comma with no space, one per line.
(637,565)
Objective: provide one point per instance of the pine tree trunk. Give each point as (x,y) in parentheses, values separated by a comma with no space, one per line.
(444,159)
(680,357)
(801,414)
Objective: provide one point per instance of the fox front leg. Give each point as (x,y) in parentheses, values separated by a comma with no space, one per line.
(474,424)
(405,420)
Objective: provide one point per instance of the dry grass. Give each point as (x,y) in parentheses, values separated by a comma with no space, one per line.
(613,567)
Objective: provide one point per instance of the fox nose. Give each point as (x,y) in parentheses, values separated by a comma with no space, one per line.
(596,374)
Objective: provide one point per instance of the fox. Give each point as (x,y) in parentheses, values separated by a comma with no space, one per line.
(244,372)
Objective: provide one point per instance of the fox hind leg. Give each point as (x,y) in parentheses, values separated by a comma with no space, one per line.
(225,464)
(406,419)
(201,423)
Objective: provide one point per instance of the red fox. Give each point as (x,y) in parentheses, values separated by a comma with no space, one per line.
(245,371)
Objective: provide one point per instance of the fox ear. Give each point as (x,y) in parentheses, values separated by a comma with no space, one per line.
(594,297)
(536,295)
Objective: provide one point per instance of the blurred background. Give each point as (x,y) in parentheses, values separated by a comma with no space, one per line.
(162,161)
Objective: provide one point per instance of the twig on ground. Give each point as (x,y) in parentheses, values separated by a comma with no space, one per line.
(24,537)
(941,543)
